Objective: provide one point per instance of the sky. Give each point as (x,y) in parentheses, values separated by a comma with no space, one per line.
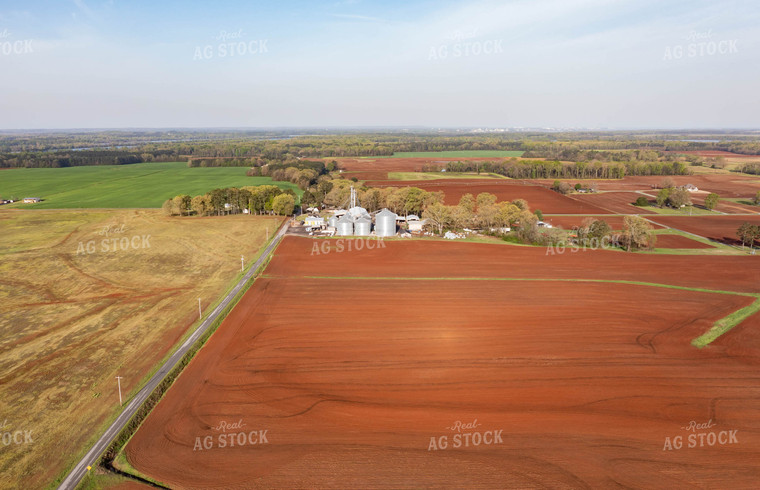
(592,64)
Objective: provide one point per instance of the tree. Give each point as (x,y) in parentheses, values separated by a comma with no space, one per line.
(199,205)
(182,204)
(461,217)
(642,201)
(539,214)
(438,215)
(638,232)
(679,198)
(485,199)
(528,227)
(521,203)
(748,233)
(662,197)
(756,200)
(507,215)
(467,202)
(667,183)
(578,186)
(283,204)
(169,208)
(711,201)
(555,185)
(564,188)
(599,229)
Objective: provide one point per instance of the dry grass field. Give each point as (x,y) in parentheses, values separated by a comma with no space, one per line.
(89,295)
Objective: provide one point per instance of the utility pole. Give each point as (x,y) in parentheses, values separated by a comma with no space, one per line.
(242,264)
(118,379)
(200,314)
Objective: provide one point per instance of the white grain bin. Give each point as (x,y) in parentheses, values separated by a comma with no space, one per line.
(385,223)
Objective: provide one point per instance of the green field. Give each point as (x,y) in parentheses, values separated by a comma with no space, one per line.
(455,154)
(141,185)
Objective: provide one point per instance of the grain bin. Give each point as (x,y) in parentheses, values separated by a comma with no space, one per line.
(333,221)
(345,226)
(385,223)
(362,227)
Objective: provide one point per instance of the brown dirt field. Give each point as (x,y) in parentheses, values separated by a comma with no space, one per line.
(570,222)
(719,228)
(428,258)
(615,202)
(378,168)
(585,390)
(538,197)
(725,185)
(679,241)
(728,207)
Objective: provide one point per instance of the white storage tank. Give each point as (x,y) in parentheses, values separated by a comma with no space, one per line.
(345,226)
(385,223)
(362,227)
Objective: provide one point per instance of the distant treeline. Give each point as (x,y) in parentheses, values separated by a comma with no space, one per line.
(232,200)
(242,148)
(541,169)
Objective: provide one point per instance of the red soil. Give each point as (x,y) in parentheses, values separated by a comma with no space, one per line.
(725,185)
(679,241)
(538,197)
(427,258)
(720,228)
(378,168)
(353,377)
(616,202)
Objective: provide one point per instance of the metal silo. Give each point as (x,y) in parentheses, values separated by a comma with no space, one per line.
(362,227)
(345,226)
(333,221)
(385,223)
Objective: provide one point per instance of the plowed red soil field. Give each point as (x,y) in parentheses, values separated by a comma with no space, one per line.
(725,185)
(679,241)
(720,228)
(378,168)
(538,197)
(616,202)
(385,382)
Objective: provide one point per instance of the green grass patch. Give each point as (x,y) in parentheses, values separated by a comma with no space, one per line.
(695,211)
(725,324)
(141,185)
(455,154)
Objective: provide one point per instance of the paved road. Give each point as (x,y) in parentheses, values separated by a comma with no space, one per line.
(80,470)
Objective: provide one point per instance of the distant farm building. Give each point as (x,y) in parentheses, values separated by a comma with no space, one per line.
(32,199)
(314,222)
(691,188)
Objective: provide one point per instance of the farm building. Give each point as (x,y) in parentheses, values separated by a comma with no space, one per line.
(416,226)
(691,188)
(314,222)
(32,199)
